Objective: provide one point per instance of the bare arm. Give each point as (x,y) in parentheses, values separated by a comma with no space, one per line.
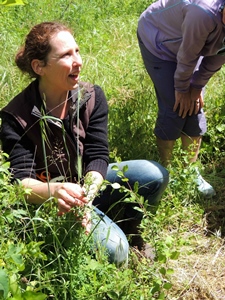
(68,194)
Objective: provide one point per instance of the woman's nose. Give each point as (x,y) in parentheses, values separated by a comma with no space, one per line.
(77,59)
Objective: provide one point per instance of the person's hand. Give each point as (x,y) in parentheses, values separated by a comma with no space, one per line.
(183,101)
(92,183)
(86,221)
(70,195)
(189,102)
(196,100)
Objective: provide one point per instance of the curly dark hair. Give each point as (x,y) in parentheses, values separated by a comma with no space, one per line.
(37,45)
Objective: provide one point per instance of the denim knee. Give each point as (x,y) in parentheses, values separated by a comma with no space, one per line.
(159,183)
(109,237)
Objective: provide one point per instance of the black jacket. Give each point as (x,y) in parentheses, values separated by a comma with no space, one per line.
(41,145)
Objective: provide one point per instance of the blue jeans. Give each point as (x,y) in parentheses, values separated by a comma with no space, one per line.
(152,178)
(108,237)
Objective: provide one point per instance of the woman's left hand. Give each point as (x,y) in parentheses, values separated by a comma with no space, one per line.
(188,103)
(182,103)
(86,221)
(197,101)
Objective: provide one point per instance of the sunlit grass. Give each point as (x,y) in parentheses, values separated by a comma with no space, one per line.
(185,224)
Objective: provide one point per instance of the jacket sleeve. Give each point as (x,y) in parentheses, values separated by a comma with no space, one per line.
(96,153)
(196,27)
(20,150)
(208,67)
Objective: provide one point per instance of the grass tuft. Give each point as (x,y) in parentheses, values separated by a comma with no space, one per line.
(187,232)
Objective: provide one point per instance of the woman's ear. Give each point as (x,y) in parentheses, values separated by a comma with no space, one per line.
(37,66)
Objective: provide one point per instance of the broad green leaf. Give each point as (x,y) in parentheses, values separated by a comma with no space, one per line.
(4,167)
(175,255)
(29,295)
(4,283)
(115,168)
(162,271)
(17,297)
(15,255)
(161,296)
(113,295)
(169,271)
(115,186)
(220,127)
(125,168)
(167,285)
(13,285)
(120,174)
(18,259)
(19,213)
(136,187)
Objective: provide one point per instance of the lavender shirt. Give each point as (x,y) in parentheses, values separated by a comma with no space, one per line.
(182,31)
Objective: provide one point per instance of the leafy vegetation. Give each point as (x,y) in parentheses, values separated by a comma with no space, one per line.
(39,258)
(11,2)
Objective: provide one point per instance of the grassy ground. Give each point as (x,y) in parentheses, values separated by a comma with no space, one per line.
(187,231)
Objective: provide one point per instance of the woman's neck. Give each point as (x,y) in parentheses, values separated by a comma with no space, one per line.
(56,104)
(60,111)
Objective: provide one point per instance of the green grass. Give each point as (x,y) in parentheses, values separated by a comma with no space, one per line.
(187,231)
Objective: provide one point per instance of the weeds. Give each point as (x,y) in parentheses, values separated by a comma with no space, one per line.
(187,231)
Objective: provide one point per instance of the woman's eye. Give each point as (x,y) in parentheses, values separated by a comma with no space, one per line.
(69,54)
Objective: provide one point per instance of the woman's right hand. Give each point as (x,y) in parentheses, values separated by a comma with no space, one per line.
(69,195)
(182,103)
(189,102)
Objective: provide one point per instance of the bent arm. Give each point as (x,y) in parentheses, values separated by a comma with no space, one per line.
(67,194)
(42,191)
(196,28)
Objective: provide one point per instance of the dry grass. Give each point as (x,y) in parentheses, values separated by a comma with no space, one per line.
(199,272)
(200,275)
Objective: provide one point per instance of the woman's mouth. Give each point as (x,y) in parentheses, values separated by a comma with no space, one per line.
(74,76)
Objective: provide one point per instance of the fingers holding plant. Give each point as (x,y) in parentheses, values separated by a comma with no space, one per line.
(71,197)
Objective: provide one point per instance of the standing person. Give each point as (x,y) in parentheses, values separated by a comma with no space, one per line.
(55,133)
(182,46)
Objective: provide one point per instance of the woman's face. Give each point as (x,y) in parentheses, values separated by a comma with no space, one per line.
(63,63)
